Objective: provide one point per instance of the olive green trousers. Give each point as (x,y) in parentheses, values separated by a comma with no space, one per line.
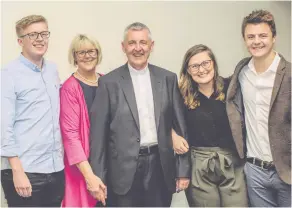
(217,179)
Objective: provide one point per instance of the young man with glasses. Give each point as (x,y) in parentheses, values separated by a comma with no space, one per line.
(259,110)
(31,147)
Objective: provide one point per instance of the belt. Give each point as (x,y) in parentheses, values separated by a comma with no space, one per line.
(260,163)
(147,150)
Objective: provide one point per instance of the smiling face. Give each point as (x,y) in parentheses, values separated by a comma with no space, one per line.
(34,49)
(201,68)
(86,57)
(259,40)
(137,46)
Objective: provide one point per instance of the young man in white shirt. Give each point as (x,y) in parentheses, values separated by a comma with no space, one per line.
(259,110)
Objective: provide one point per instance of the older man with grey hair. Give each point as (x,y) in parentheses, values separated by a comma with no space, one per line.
(135,108)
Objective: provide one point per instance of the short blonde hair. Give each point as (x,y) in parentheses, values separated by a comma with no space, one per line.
(76,44)
(26,21)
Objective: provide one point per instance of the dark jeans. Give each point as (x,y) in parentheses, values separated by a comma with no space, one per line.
(148,188)
(47,189)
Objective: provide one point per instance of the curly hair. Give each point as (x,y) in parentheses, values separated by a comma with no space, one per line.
(189,88)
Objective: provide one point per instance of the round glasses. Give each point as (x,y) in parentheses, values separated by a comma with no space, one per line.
(194,68)
(82,54)
(35,35)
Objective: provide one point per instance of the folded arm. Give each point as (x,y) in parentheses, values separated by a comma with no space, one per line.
(180,145)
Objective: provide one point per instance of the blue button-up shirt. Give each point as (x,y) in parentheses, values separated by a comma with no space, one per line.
(30,108)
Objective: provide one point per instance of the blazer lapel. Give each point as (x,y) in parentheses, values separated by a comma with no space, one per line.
(234,91)
(128,89)
(278,79)
(157,88)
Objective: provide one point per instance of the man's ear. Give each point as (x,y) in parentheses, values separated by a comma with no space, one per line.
(20,41)
(123,46)
(274,39)
(152,45)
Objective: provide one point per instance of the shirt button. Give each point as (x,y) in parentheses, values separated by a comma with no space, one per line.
(138,140)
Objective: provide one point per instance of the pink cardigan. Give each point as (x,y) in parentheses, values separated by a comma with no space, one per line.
(74,121)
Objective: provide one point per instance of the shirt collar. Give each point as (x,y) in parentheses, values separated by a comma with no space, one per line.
(29,64)
(273,67)
(135,71)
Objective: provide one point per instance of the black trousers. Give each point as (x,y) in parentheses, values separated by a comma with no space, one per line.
(148,188)
(47,189)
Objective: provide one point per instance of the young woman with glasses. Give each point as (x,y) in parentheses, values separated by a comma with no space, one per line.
(217,171)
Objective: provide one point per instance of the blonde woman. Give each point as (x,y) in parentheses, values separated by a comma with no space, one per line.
(217,171)
(77,95)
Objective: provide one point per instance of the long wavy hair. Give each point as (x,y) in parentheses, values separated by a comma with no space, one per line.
(189,88)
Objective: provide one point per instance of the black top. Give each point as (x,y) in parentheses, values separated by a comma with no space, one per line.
(208,124)
(89,93)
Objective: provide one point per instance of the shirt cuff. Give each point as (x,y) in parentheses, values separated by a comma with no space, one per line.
(9,151)
(75,159)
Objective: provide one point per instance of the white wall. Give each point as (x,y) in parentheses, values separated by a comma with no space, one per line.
(175,26)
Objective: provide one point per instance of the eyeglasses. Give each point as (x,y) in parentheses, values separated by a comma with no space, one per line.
(35,35)
(82,54)
(194,68)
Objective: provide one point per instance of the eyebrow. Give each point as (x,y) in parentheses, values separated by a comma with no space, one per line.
(257,34)
(137,41)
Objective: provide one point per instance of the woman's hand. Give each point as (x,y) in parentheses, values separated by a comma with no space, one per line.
(96,188)
(180,145)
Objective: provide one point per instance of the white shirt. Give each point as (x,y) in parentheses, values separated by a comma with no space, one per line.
(145,105)
(257,92)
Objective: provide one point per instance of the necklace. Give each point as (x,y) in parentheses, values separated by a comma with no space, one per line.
(92,82)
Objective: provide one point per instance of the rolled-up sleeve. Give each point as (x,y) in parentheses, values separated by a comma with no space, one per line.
(9,146)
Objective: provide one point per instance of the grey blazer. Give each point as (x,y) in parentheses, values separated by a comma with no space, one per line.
(115,135)
(279,117)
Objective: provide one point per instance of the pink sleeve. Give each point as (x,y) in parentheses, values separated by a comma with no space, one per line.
(70,124)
